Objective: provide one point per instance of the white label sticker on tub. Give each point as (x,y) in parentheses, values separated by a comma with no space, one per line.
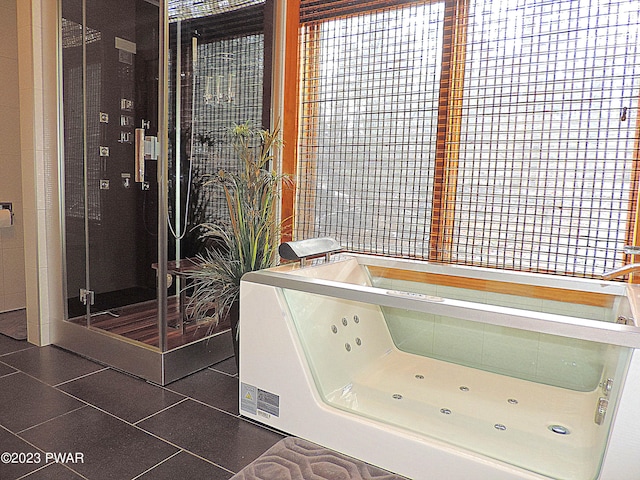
(269,402)
(248,398)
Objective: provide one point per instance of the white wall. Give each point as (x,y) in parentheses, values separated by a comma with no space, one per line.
(37,22)
(12,269)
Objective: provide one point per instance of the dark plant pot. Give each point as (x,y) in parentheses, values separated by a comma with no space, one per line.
(234,318)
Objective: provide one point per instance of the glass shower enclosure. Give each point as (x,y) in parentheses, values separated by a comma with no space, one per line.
(147,91)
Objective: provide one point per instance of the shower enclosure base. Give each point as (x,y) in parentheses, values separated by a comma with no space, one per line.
(139,322)
(129,343)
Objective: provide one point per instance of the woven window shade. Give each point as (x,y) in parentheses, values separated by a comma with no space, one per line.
(548,135)
(236,65)
(228,82)
(500,134)
(369,120)
(318,10)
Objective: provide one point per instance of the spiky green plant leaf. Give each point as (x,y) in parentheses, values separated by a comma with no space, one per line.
(249,241)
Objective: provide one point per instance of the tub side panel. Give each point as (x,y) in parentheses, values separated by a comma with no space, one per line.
(272,361)
(622,460)
(340,338)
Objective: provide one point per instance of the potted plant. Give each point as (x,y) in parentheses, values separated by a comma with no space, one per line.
(248,240)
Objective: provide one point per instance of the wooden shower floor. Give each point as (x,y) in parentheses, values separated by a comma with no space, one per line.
(139,322)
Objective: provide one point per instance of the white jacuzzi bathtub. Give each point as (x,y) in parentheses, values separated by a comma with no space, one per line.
(435,371)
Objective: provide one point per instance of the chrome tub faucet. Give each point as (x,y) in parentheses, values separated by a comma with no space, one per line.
(625,269)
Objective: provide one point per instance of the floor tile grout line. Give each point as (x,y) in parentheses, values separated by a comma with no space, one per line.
(108,368)
(209,461)
(232,375)
(53,418)
(16,351)
(6,364)
(27,475)
(167,389)
(178,446)
(135,424)
(102,367)
(233,415)
(89,404)
(188,452)
(113,415)
(85,403)
(23,439)
(38,448)
(33,471)
(202,402)
(11,373)
(213,406)
(183,448)
(2,427)
(34,378)
(157,465)
(39,380)
(151,434)
(81,376)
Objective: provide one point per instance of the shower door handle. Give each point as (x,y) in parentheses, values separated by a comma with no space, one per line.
(139,164)
(146,148)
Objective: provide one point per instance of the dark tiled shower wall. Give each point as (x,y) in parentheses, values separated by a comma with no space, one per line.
(122,218)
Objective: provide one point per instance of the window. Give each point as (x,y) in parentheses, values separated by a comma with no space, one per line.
(223,85)
(490,133)
(228,91)
(369,117)
(546,158)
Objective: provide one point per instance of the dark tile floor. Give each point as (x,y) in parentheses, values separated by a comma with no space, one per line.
(116,426)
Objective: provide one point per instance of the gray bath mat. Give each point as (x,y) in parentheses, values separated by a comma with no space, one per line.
(297,459)
(14,324)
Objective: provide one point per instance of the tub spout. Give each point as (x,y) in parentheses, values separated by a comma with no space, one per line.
(619,272)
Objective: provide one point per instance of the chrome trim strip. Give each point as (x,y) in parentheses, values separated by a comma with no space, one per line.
(143,360)
(553,324)
(63,290)
(163,171)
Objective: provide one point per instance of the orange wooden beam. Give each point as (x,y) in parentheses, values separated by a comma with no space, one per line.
(290,115)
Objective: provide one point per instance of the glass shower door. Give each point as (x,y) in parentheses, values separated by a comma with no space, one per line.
(110,90)
(120,191)
(126,218)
